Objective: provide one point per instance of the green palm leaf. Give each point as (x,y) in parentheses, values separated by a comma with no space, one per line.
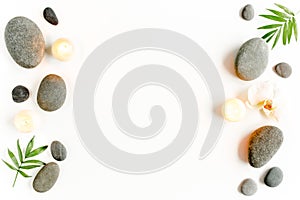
(278,13)
(13,158)
(271,26)
(285,9)
(274,18)
(295,28)
(277,37)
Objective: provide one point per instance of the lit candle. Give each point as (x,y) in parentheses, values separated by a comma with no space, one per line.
(62,49)
(234,110)
(24,121)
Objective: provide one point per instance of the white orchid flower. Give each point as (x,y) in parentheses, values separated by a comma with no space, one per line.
(264,96)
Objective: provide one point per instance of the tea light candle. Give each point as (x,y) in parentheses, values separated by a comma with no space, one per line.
(62,49)
(24,121)
(234,110)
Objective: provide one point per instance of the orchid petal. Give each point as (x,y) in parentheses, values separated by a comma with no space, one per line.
(260,92)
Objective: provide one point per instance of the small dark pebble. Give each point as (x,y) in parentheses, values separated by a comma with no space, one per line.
(274,177)
(50,16)
(20,94)
(58,151)
(283,70)
(248,12)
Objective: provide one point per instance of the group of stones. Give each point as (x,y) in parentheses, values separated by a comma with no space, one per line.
(251,62)
(26,45)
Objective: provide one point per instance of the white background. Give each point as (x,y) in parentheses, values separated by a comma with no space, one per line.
(217,27)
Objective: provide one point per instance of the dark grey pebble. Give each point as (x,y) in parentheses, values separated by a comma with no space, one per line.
(252,59)
(283,70)
(20,94)
(248,187)
(50,16)
(263,145)
(51,93)
(25,42)
(58,151)
(274,177)
(248,12)
(46,177)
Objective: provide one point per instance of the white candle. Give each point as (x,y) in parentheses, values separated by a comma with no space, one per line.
(234,110)
(24,121)
(62,49)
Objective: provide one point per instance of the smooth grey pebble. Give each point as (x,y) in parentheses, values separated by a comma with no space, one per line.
(283,70)
(248,12)
(248,187)
(58,151)
(274,177)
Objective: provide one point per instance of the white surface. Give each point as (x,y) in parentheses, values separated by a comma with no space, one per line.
(217,27)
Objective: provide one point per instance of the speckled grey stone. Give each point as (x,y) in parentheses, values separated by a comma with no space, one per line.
(50,16)
(52,93)
(248,187)
(46,177)
(25,42)
(252,59)
(283,70)
(263,145)
(58,151)
(274,177)
(20,94)
(248,12)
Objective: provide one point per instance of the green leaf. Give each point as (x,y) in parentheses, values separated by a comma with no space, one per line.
(295,28)
(270,38)
(277,37)
(274,18)
(37,151)
(268,34)
(278,13)
(20,151)
(30,166)
(284,34)
(285,9)
(271,26)
(290,30)
(29,147)
(38,162)
(24,174)
(9,165)
(13,158)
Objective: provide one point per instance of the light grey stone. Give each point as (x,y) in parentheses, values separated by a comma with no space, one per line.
(252,59)
(248,187)
(248,12)
(52,93)
(25,42)
(283,70)
(263,145)
(58,151)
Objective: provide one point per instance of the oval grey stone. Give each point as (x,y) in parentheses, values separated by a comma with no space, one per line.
(248,12)
(248,187)
(283,70)
(252,59)
(25,42)
(58,151)
(46,177)
(263,145)
(274,177)
(51,93)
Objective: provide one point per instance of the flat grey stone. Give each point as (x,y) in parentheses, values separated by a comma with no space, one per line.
(46,177)
(248,12)
(20,94)
(252,59)
(283,70)
(58,151)
(25,42)
(274,177)
(52,93)
(50,16)
(263,145)
(248,187)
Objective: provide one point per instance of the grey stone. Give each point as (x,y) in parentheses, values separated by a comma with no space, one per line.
(283,70)
(51,93)
(248,12)
(46,177)
(263,145)
(50,16)
(58,151)
(252,59)
(20,94)
(248,187)
(274,177)
(25,42)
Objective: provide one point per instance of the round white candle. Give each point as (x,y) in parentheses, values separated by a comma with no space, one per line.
(24,121)
(62,49)
(234,110)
